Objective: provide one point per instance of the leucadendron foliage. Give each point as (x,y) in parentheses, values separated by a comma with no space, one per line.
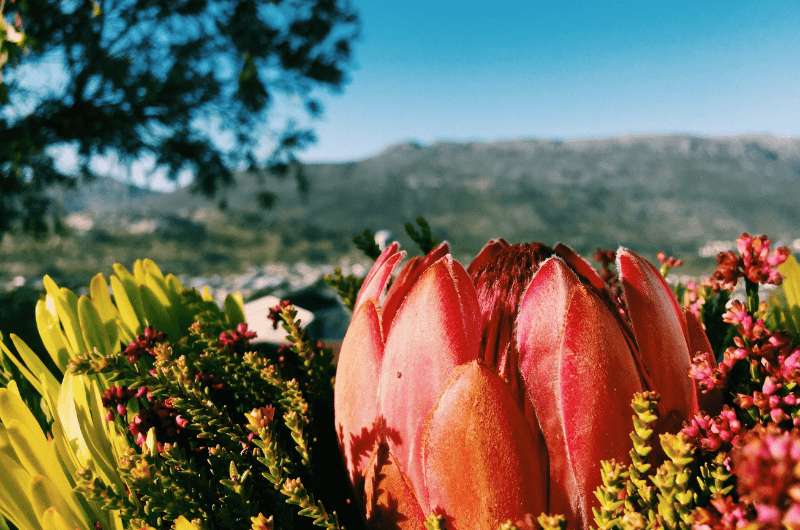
(151,409)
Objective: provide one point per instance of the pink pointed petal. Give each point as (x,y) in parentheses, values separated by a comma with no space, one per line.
(580,265)
(389,251)
(388,499)
(483,465)
(698,340)
(579,375)
(710,402)
(377,278)
(660,331)
(406,280)
(436,329)
(489,251)
(356,392)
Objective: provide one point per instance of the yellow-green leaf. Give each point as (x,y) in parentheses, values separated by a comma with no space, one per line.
(152,268)
(14,502)
(175,284)
(790,270)
(66,306)
(126,308)
(234,308)
(45,495)
(175,292)
(52,337)
(138,271)
(157,314)
(52,518)
(26,373)
(98,290)
(205,294)
(64,450)
(33,362)
(36,454)
(91,426)
(92,328)
(13,409)
(158,285)
(131,285)
(68,419)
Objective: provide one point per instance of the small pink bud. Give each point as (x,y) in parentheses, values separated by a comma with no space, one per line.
(778,415)
(769,387)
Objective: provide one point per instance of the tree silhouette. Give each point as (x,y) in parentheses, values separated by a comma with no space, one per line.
(188,85)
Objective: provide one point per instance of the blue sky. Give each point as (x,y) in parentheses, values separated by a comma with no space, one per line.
(446,69)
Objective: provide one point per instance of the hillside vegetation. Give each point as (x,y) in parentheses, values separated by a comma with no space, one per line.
(643,192)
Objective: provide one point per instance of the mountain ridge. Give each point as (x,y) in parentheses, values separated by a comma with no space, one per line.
(672,192)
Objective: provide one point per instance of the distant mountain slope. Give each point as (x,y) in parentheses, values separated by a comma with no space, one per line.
(94,196)
(647,192)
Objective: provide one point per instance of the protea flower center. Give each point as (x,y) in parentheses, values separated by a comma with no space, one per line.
(500,278)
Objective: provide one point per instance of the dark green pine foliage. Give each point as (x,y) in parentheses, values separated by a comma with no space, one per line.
(422,236)
(188,85)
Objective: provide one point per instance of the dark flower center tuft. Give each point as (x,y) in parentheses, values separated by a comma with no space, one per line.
(500,283)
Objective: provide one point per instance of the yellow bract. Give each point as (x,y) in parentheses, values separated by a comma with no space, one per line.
(785,303)
(38,479)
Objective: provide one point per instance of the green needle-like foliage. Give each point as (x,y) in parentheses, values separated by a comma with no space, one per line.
(714,479)
(639,490)
(346,286)
(639,495)
(673,479)
(296,493)
(422,236)
(610,495)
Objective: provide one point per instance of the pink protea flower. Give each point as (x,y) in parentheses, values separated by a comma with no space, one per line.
(491,392)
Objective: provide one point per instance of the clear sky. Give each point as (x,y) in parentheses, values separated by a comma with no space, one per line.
(462,69)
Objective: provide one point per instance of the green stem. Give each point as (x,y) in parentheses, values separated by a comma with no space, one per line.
(752,296)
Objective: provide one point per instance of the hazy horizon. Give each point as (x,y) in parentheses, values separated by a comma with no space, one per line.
(555,138)
(462,70)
